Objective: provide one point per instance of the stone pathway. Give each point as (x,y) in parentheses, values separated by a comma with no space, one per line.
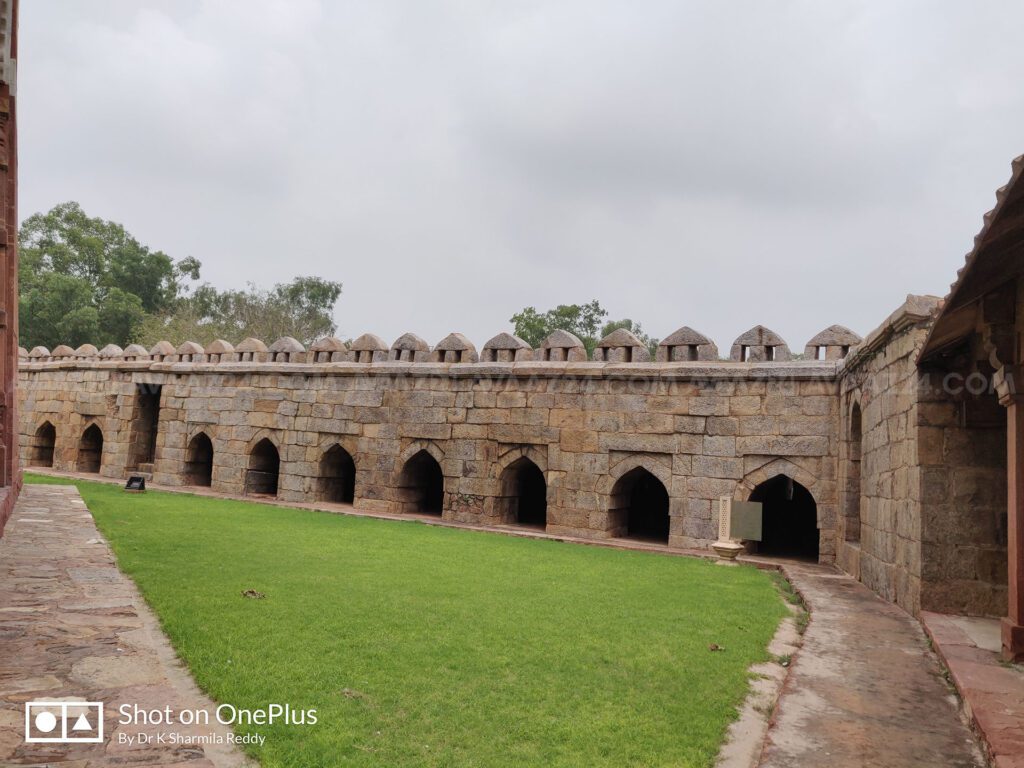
(72,627)
(865,691)
(993,691)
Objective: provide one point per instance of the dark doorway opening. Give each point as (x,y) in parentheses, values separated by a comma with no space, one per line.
(145,424)
(337,476)
(199,461)
(639,507)
(421,485)
(524,495)
(90,450)
(264,468)
(789,521)
(43,442)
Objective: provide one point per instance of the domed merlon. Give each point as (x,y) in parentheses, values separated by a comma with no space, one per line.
(38,353)
(287,350)
(410,348)
(189,352)
(506,348)
(215,351)
(831,344)
(161,351)
(135,352)
(62,351)
(86,351)
(454,348)
(759,345)
(562,346)
(110,351)
(686,345)
(370,348)
(621,346)
(251,350)
(329,350)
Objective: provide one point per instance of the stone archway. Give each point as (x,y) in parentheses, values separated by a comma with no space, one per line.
(261,478)
(421,485)
(524,495)
(90,450)
(43,443)
(789,519)
(639,507)
(199,461)
(336,482)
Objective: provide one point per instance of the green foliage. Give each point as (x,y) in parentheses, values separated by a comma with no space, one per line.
(85,280)
(582,320)
(430,646)
(88,280)
(301,308)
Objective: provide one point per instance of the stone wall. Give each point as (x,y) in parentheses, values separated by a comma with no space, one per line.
(704,429)
(923,516)
(880,531)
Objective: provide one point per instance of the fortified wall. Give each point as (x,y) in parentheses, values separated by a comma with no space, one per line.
(597,430)
(602,446)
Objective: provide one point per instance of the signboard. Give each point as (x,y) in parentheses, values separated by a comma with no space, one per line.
(746,520)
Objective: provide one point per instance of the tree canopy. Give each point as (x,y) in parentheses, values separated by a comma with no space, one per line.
(586,321)
(85,280)
(301,308)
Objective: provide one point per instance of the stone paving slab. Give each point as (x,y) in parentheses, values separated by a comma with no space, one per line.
(993,691)
(72,627)
(865,691)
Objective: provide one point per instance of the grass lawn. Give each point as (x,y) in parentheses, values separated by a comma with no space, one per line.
(420,645)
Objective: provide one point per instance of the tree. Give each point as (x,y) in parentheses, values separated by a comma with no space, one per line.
(582,320)
(302,308)
(88,280)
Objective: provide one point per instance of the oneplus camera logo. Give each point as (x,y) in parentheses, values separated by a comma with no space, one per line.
(63,722)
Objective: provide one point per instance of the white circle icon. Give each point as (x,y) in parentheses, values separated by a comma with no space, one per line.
(46,721)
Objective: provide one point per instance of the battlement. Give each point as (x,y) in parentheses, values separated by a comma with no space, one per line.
(757,352)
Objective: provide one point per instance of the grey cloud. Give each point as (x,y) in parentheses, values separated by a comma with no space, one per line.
(712,164)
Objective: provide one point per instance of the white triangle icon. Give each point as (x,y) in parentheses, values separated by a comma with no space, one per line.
(81,724)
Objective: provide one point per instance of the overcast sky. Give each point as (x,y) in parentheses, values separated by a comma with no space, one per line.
(712,164)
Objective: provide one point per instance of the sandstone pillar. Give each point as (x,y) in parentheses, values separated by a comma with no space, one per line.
(1013,624)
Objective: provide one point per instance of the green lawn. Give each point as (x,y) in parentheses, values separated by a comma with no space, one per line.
(427,646)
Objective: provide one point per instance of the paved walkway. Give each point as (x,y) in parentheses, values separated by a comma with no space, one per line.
(993,691)
(865,691)
(73,627)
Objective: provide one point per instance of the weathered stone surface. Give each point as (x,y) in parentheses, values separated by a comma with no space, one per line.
(833,343)
(410,348)
(454,348)
(287,350)
(329,350)
(562,346)
(759,344)
(506,348)
(108,352)
(370,348)
(190,352)
(686,345)
(621,346)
